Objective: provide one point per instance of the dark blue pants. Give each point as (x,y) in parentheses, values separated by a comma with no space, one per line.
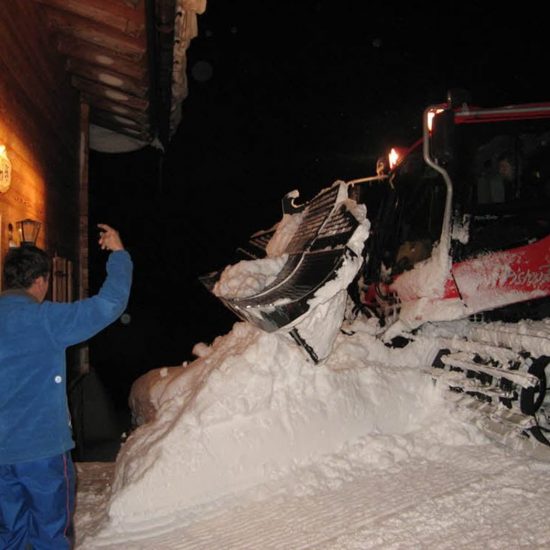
(37,503)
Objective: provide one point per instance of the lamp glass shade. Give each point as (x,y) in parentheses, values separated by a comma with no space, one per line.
(28,231)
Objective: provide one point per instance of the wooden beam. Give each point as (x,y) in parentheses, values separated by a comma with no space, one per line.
(141,136)
(163,39)
(112,14)
(110,78)
(102,57)
(96,33)
(140,126)
(92,89)
(115,13)
(141,117)
(83,202)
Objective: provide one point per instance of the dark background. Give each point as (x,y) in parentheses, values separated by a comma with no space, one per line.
(282,96)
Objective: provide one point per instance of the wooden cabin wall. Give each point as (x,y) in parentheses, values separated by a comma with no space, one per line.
(39,126)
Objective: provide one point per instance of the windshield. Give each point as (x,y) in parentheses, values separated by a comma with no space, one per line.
(501,181)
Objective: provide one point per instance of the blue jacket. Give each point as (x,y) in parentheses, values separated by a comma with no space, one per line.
(34,414)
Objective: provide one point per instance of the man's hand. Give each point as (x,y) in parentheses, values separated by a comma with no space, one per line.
(109,239)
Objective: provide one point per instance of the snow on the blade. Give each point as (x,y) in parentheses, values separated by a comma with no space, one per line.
(284,233)
(319,326)
(248,277)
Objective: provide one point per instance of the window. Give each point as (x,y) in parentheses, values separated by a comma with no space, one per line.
(419,210)
(503,179)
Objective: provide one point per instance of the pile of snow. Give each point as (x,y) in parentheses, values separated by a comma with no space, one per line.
(252,407)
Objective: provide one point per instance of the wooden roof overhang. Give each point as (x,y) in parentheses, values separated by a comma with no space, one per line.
(127,59)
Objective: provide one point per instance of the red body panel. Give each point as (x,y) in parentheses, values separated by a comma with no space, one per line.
(505,277)
(488,281)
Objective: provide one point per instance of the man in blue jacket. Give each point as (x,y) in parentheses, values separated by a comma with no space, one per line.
(37,481)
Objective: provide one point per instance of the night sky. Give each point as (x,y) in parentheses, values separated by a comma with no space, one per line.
(282,96)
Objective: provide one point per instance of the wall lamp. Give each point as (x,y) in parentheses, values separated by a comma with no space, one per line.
(28,231)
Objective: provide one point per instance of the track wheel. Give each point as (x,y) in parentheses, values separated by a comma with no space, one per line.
(531,399)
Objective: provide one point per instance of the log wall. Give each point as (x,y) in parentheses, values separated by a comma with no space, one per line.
(40,118)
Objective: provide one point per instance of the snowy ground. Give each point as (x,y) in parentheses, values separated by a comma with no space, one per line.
(459,497)
(465,496)
(419,476)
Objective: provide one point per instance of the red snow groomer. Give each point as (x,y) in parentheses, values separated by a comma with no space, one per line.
(460,240)
(460,230)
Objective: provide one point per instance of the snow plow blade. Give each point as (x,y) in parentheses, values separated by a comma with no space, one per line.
(315,252)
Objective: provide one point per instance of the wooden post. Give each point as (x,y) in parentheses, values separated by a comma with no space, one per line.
(83,275)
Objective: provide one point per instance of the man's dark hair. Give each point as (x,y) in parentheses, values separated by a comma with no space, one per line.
(23,265)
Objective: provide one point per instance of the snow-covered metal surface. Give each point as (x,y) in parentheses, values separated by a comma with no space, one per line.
(311,259)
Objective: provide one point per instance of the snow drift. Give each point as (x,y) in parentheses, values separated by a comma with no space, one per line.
(251,407)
